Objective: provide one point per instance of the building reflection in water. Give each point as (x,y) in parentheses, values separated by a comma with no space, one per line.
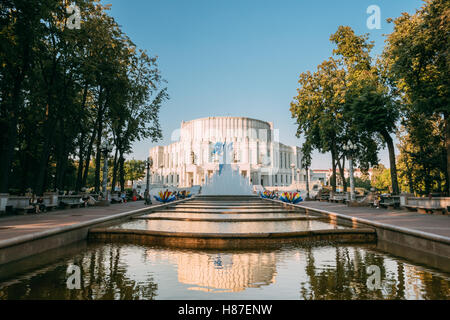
(104,276)
(124,271)
(222,272)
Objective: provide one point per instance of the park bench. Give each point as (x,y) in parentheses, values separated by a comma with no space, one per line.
(426,209)
(338,198)
(20,204)
(73,201)
(115,198)
(48,202)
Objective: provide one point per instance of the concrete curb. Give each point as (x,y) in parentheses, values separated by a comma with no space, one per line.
(232,241)
(229,220)
(416,233)
(101,231)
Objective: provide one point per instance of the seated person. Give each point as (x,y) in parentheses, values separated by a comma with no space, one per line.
(91,201)
(38,204)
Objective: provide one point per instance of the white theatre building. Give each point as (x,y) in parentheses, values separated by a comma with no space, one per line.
(254,150)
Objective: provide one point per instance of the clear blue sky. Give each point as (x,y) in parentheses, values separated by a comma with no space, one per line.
(242,57)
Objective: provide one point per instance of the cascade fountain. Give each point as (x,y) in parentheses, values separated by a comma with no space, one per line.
(226,181)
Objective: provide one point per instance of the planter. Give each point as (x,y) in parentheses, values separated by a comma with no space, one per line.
(441,202)
(52,196)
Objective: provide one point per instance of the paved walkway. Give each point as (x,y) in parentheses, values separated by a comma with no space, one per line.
(434,224)
(14,226)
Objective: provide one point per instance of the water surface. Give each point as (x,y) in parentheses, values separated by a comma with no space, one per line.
(226,227)
(124,271)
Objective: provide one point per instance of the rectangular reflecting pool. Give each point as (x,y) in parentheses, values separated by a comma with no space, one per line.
(128,271)
(226,227)
(174,214)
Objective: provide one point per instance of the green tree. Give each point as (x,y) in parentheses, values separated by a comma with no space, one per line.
(322,110)
(63,91)
(134,170)
(417,60)
(317,110)
(381,178)
(423,154)
(363,182)
(22,26)
(369,106)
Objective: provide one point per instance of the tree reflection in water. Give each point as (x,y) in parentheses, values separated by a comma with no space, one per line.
(346,280)
(124,271)
(103,277)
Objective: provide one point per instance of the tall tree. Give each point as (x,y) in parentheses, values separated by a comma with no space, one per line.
(317,110)
(423,153)
(63,91)
(417,55)
(369,105)
(321,110)
(22,26)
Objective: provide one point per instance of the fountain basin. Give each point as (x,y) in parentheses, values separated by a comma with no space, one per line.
(232,210)
(229,227)
(175,214)
(189,240)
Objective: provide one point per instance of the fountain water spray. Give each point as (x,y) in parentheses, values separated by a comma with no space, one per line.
(226,181)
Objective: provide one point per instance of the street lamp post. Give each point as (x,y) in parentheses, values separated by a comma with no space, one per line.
(106,149)
(307,182)
(149,163)
(350,147)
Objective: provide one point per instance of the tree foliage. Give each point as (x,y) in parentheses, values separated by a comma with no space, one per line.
(354,97)
(328,105)
(417,63)
(65,91)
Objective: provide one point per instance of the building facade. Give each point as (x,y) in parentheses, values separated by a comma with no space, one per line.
(253,146)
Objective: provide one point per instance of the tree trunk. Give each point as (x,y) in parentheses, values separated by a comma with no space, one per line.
(10,134)
(99,140)
(88,157)
(98,160)
(61,155)
(49,125)
(447,140)
(342,172)
(392,162)
(43,162)
(78,184)
(333,175)
(61,172)
(98,156)
(7,154)
(25,165)
(11,114)
(307,182)
(410,179)
(121,172)
(114,175)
